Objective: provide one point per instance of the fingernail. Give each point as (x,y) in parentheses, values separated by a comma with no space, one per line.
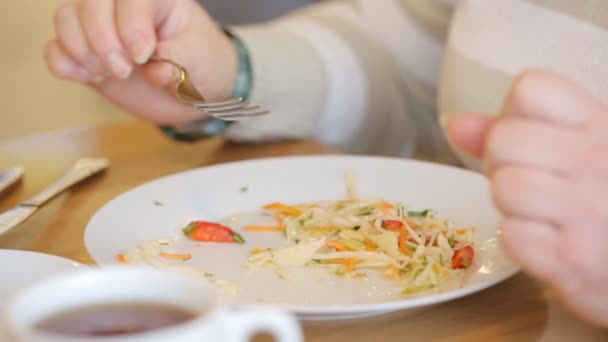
(98,79)
(142,52)
(80,74)
(93,64)
(141,48)
(119,65)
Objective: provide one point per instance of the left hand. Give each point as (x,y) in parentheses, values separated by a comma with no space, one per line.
(546,156)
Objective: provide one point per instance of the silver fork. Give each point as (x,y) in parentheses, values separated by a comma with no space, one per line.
(232,109)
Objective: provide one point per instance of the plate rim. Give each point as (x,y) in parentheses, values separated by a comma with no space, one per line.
(41,255)
(337,309)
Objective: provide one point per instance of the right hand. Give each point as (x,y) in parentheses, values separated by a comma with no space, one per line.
(106,44)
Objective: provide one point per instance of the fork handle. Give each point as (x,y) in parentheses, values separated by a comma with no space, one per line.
(75,175)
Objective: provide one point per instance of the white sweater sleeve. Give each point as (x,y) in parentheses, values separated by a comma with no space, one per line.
(325,73)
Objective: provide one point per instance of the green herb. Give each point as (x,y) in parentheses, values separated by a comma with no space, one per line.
(366,211)
(315,261)
(423,213)
(411,248)
(158,203)
(189,229)
(187,259)
(208,275)
(164,244)
(340,272)
(244,189)
(452,241)
(296,241)
(466,262)
(413,290)
(238,238)
(302,221)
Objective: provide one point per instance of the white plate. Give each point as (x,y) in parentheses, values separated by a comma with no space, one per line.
(22,268)
(158,209)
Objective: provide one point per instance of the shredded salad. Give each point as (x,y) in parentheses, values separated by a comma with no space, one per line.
(420,249)
(417,248)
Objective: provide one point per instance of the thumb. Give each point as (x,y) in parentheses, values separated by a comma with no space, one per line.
(468,132)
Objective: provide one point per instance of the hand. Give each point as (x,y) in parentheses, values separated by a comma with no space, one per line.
(546,156)
(106,44)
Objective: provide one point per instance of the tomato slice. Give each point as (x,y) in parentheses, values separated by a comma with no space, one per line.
(463,258)
(392,225)
(211,232)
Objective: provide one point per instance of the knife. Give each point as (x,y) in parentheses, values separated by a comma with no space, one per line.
(9,177)
(82,169)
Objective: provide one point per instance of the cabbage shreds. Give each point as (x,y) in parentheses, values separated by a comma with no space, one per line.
(420,249)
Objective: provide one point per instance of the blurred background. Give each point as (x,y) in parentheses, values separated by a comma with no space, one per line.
(34,102)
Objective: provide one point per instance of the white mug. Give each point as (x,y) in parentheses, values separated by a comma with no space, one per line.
(127,284)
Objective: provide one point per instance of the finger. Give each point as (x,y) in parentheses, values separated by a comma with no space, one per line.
(545,96)
(532,194)
(468,132)
(166,111)
(61,65)
(136,21)
(97,20)
(534,245)
(161,74)
(166,74)
(524,142)
(71,38)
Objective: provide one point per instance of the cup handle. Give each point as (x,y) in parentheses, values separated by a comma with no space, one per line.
(244,325)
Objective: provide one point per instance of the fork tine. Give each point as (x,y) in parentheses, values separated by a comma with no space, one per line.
(229,111)
(237,116)
(232,111)
(239,106)
(229,102)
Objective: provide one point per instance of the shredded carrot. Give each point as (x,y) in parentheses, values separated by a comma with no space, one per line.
(392,272)
(386,208)
(280,220)
(283,209)
(370,246)
(402,240)
(320,229)
(410,223)
(437,225)
(263,228)
(337,246)
(122,259)
(182,257)
(464,230)
(350,265)
(258,250)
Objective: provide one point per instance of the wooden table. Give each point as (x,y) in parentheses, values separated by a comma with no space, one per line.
(512,311)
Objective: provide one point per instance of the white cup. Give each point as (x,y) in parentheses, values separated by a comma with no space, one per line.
(126,284)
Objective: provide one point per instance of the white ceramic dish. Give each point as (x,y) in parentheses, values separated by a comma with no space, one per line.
(23,268)
(158,209)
